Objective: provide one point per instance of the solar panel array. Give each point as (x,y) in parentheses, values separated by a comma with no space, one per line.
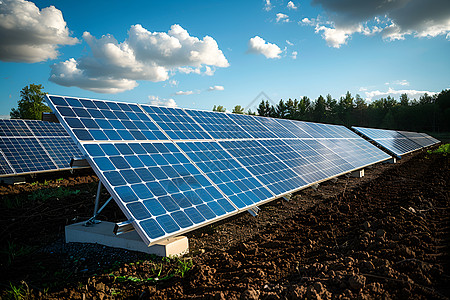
(31,146)
(172,170)
(397,142)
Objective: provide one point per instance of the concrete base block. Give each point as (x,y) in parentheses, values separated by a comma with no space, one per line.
(102,234)
(357,173)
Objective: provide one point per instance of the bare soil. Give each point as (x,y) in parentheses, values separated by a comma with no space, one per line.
(385,235)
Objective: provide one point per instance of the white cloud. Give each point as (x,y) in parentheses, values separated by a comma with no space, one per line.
(282,18)
(291,5)
(374,95)
(267,5)
(394,19)
(306,21)
(334,37)
(216,88)
(258,45)
(294,54)
(155,100)
(30,35)
(144,55)
(403,82)
(184,93)
(289,43)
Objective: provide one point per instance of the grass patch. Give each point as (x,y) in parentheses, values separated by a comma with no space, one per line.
(13,251)
(46,194)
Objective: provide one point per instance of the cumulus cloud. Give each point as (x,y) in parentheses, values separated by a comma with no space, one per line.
(155,100)
(216,88)
(282,18)
(294,54)
(258,45)
(114,67)
(374,95)
(30,35)
(395,19)
(291,5)
(184,93)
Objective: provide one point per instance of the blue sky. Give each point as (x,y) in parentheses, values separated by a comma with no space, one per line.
(197,54)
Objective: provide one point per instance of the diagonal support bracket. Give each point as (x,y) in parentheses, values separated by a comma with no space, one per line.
(254,211)
(93,220)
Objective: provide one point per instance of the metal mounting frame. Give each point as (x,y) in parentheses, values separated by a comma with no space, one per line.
(93,220)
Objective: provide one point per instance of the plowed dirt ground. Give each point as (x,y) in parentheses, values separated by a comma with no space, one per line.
(385,235)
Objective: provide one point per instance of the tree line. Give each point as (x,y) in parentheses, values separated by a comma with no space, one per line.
(427,114)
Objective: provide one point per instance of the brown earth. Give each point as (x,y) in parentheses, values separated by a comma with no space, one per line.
(385,235)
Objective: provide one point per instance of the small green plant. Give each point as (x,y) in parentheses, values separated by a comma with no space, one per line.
(12,202)
(184,265)
(46,194)
(59,179)
(20,292)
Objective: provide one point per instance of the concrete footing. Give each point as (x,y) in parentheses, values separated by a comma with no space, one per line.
(102,234)
(357,173)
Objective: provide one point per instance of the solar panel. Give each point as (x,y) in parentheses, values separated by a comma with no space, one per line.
(31,146)
(172,170)
(397,142)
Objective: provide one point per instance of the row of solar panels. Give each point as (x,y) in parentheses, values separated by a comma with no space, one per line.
(172,170)
(398,143)
(29,146)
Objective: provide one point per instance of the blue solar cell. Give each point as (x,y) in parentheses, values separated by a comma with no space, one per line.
(194,215)
(138,210)
(167,223)
(152,229)
(126,193)
(14,128)
(252,126)
(181,219)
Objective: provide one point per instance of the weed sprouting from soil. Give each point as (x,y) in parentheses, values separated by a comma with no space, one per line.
(46,194)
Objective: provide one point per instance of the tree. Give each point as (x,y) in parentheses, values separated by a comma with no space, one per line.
(31,105)
(265,109)
(238,110)
(319,109)
(404,99)
(219,108)
(281,110)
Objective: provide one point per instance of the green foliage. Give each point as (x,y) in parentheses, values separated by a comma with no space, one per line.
(427,114)
(219,108)
(21,292)
(31,105)
(45,194)
(443,149)
(238,110)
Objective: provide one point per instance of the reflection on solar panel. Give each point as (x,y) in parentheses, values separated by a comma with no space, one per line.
(30,146)
(397,142)
(172,170)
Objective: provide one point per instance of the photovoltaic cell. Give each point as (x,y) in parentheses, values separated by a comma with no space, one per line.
(14,128)
(4,166)
(252,126)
